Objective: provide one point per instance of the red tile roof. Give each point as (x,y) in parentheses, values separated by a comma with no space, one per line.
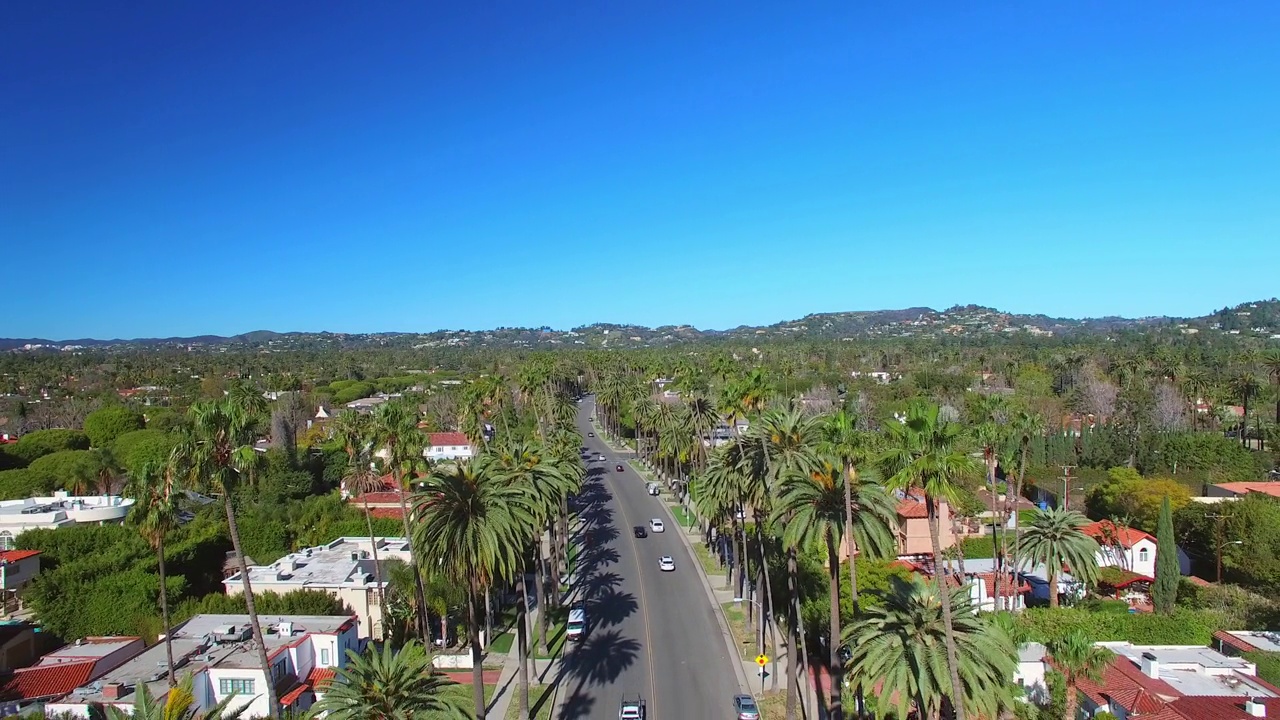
(319,678)
(1219,708)
(1243,488)
(14,556)
(449,438)
(381,498)
(46,681)
(1121,677)
(912,509)
(1105,531)
(1233,641)
(386,513)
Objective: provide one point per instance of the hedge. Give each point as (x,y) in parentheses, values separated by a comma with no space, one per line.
(1183,627)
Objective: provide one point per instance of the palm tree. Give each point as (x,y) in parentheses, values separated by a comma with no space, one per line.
(219,456)
(1196,385)
(1077,658)
(1026,426)
(361,480)
(388,685)
(704,418)
(924,453)
(395,426)
(855,448)
(1244,385)
(1271,363)
(474,525)
(1056,538)
(814,504)
(179,704)
(901,648)
(155,514)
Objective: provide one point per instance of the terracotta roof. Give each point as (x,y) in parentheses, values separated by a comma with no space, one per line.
(1105,531)
(907,565)
(319,678)
(46,681)
(386,513)
(1219,708)
(1242,488)
(16,555)
(1121,677)
(381,498)
(912,509)
(449,438)
(1233,641)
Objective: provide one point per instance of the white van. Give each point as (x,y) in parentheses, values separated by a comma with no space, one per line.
(577,626)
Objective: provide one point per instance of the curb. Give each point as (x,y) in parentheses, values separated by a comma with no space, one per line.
(725,634)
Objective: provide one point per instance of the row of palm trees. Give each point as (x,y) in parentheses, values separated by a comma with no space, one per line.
(796,481)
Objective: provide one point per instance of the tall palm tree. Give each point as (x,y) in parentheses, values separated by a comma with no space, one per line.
(388,684)
(924,453)
(474,524)
(1244,385)
(1271,363)
(813,505)
(155,513)
(1196,385)
(219,456)
(1077,658)
(855,448)
(703,418)
(1057,539)
(395,427)
(1026,427)
(361,479)
(900,653)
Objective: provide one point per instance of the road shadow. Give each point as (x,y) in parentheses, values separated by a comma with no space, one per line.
(577,706)
(601,658)
(596,558)
(600,583)
(610,608)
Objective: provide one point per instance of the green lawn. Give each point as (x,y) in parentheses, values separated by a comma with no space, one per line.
(541,700)
(462,693)
(738,626)
(709,564)
(557,619)
(684,517)
(501,644)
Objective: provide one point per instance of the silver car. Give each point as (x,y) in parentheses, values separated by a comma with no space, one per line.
(744,708)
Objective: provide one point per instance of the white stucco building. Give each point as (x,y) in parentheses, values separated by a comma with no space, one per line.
(60,510)
(448,446)
(305,651)
(1124,547)
(343,568)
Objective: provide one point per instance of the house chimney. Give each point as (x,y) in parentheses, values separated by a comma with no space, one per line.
(1150,667)
(1255,708)
(114,691)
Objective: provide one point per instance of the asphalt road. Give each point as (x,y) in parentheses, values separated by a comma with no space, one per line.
(651,633)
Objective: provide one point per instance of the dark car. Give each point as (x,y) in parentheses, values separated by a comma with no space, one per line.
(640,531)
(618,468)
(591,434)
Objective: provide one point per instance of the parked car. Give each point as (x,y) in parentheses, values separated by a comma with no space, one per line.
(745,708)
(640,531)
(656,525)
(652,489)
(666,563)
(576,628)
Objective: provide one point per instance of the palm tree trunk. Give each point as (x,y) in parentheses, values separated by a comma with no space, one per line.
(1071,710)
(477,661)
(553,563)
(1015,559)
(793,649)
(377,569)
(836,708)
(728,576)
(1053,587)
(419,590)
(542,601)
(164,610)
(234,530)
(522,639)
(944,594)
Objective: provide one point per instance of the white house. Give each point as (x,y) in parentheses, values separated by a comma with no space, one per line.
(1030,672)
(305,652)
(448,446)
(1124,547)
(343,568)
(60,510)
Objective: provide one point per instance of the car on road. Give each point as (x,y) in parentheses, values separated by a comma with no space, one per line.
(656,525)
(601,457)
(745,708)
(666,563)
(640,532)
(577,625)
(618,467)
(591,418)
(631,709)
(652,488)
(591,434)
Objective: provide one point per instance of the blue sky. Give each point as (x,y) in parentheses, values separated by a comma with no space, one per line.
(188,168)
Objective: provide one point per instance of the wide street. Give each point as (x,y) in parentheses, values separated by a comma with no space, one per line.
(651,633)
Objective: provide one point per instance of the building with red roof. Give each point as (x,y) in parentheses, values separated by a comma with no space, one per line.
(1124,547)
(1240,489)
(65,669)
(443,446)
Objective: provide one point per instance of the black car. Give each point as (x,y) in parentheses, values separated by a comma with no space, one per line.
(640,531)
(618,468)
(591,434)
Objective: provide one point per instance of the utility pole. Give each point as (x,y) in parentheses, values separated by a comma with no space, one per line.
(1066,486)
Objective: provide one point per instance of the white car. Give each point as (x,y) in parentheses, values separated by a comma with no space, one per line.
(656,525)
(666,563)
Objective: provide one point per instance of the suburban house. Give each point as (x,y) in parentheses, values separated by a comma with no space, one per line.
(60,510)
(913,532)
(448,446)
(19,646)
(305,652)
(1006,507)
(1233,490)
(64,670)
(17,569)
(980,575)
(344,569)
(1124,547)
(1030,673)
(1239,642)
(1177,682)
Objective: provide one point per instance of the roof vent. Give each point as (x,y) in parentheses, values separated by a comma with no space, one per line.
(1255,708)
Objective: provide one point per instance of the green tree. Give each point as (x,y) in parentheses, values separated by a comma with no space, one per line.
(925,453)
(900,654)
(395,427)
(155,514)
(1164,592)
(44,442)
(1125,493)
(134,449)
(105,425)
(477,524)
(814,505)
(1056,539)
(75,471)
(1077,658)
(389,685)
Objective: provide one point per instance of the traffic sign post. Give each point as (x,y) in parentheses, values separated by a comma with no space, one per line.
(762,660)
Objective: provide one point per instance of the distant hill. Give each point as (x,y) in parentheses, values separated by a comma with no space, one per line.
(1258,318)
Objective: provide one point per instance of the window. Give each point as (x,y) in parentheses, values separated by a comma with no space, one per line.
(6,540)
(277,671)
(1143,555)
(324,657)
(239,686)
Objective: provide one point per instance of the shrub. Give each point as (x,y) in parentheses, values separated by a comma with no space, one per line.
(105,425)
(135,449)
(45,442)
(1268,664)
(22,483)
(75,470)
(1183,627)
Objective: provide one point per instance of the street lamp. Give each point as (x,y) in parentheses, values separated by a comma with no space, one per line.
(1220,546)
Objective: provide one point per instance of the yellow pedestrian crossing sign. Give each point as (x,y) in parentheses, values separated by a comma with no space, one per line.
(762,660)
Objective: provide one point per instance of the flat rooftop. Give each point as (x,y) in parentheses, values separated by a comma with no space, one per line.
(91,648)
(1197,670)
(1269,641)
(345,561)
(204,642)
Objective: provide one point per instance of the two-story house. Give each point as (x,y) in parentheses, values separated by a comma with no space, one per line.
(448,446)
(1124,547)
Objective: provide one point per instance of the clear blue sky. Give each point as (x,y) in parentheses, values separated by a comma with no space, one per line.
(176,168)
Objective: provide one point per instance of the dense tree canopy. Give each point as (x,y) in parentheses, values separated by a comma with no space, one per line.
(105,425)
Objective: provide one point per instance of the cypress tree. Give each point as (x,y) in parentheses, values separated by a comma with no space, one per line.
(1164,592)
